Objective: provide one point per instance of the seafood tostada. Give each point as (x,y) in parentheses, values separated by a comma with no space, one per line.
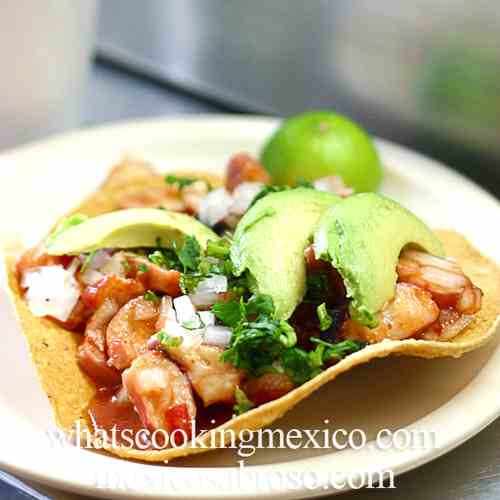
(184,303)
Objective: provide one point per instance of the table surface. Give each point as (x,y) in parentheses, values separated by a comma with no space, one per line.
(471,472)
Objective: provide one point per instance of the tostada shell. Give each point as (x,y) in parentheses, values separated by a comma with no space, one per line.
(53,349)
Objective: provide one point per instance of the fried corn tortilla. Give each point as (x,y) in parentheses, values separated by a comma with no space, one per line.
(54,349)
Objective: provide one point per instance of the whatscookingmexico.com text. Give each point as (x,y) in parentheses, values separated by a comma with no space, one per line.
(247,441)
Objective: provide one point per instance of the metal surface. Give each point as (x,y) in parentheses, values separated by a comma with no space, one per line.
(424,73)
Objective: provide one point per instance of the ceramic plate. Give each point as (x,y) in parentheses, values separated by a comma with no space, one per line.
(43,180)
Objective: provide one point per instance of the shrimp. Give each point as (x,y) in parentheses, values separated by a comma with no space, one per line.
(267,387)
(129,330)
(443,278)
(160,393)
(112,286)
(92,351)
(411,311)
(213,380)
(243,168)
(154,277)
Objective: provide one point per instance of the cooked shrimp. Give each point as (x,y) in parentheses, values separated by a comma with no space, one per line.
(443,278)
(154,277)
(121,290)
(243,168)
(129,330)
(267,387)
(92,351)
(213,380)
(410,312)
(160,393)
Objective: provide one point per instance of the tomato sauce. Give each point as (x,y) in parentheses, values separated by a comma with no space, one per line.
(107,412)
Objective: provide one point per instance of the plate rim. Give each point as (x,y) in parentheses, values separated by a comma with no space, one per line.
(386,148)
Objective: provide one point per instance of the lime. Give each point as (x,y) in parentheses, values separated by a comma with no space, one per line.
(322,143)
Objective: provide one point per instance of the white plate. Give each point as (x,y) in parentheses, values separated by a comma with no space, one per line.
(454,399)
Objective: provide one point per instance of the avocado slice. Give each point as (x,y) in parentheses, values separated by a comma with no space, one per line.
(362,237)
(270,240)
(135,227)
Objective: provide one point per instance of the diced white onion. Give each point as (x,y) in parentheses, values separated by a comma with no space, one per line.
(184,309)
(98,260)
(190,338)
(114,265)
(91,276)
(51,291)
(243,196)
(204,299)
(217,335)
(209,291)
(214,206)
(207,317)
(213,284)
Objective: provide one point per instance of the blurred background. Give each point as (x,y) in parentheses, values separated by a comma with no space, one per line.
(425,74)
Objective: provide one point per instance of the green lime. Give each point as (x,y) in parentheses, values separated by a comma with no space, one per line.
(322,143)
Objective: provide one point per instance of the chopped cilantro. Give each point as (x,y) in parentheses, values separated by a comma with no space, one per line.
(230,313)
(297,365)
(218,249)
(193,324)
(301,365)
(338,350)
(143,268)
(126,265)
(158,258)
(65,224)
(255,345)
(260,303)
(166,258)
(87,261)
(243,404)
(151,296)
(325,320)
(167,340)
(234,311)
(189,282)
(190,253)
(182,182)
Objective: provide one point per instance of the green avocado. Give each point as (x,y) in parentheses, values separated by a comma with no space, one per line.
(131,228)
(270,240)
(362,237)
